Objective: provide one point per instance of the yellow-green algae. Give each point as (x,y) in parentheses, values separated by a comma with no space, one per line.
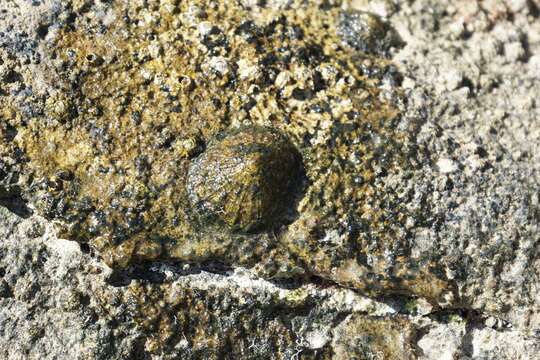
(363,337)
(142,95)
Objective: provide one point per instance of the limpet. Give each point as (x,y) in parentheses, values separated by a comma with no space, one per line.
(248,179)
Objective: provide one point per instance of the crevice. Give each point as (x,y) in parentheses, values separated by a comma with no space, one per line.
(298,282)
(151,272)
(15,203)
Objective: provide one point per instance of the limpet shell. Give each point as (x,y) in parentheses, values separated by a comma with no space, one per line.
(248,179)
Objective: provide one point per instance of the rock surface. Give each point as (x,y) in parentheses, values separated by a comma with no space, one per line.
(417,235)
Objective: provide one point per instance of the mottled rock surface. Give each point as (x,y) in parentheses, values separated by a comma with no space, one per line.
(414,233)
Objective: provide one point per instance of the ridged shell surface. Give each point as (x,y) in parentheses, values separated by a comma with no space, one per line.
(248,179)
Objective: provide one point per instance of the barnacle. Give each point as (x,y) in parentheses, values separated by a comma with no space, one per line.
(367,32)
(247,179)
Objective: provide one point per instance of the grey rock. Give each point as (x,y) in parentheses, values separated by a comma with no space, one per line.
(471,76)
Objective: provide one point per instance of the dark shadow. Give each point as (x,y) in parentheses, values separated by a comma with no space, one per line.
(118,279)
(216,267)
(15,204)
(297,282)
(149,272)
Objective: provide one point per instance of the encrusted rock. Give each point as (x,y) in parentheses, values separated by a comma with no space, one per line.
(137,191)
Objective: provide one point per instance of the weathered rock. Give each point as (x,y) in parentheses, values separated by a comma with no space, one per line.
(421,180)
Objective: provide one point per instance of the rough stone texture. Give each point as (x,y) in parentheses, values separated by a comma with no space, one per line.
(59,303)
(482,138)
(459,279)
